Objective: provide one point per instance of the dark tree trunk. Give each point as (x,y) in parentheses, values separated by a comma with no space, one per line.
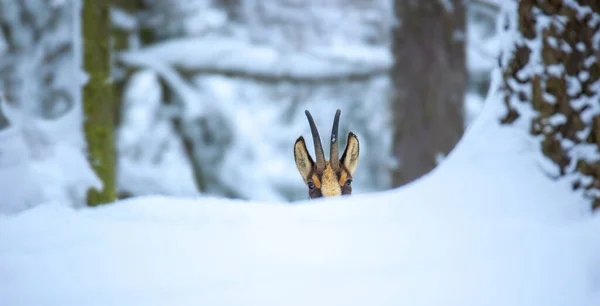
(430,79)
(98,99)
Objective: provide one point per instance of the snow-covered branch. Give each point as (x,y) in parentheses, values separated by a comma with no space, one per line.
(492,5)
(237,58)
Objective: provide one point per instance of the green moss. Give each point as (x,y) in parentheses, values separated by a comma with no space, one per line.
(98,99)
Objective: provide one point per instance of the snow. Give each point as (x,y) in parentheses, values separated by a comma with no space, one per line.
(13,162)
(41,161)
(123,20)
(482,45)
(45,112)
(242,152)
(473,106)
(221,54)
(535,67)
(486,227)
(448,5)
(143,133)
(342,253)
(279,57)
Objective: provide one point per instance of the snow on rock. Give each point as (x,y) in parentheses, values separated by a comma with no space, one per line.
(487,227)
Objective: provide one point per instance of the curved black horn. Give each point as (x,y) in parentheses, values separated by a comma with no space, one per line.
(334,158)
(320,155)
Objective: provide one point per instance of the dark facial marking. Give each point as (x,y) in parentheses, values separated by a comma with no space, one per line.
(314,190)
(347,184)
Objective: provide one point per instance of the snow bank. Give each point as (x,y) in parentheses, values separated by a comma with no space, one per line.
(485,228)
(379,250)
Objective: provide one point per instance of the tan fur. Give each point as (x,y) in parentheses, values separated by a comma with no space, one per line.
(343,178)
(316,180)
(351,155)
(303,160)
(330,185)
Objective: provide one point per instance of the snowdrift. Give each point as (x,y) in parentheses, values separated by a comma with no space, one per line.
(487,227)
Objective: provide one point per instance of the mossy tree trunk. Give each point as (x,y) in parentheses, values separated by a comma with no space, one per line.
(429,79)
(555,91)
(98,99)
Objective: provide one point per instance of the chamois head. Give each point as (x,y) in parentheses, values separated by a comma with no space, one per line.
(327,178)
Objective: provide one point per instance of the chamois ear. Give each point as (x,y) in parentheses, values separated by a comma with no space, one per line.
(304,162)
(350,157)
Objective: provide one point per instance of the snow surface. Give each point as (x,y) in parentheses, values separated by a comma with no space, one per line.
(486,227)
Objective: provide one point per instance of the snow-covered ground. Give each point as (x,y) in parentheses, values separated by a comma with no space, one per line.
(487,227)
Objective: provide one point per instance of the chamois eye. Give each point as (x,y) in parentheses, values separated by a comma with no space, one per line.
(311,185)
(348,182)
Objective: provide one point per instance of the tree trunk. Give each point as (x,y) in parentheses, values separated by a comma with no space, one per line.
(98,99)
(429,78)
(555,92)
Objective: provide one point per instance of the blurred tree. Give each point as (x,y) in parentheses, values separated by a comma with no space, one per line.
(555,91)
(3,120)
(127,33)
(98,99)
(35,45)
(429,79)
(126,36)
(41,83)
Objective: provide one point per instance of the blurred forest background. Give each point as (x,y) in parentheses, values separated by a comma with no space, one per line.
(206,97)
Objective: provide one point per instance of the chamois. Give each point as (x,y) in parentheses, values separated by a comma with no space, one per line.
(327,178)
